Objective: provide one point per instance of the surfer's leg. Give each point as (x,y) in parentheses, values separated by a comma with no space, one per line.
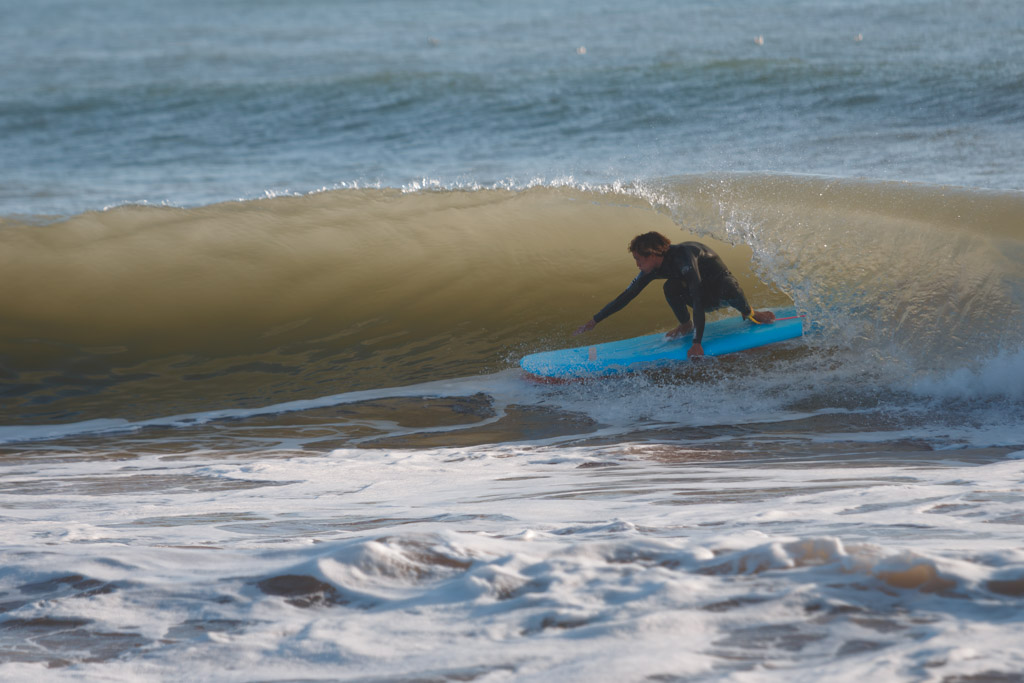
(732,295)
(725,291)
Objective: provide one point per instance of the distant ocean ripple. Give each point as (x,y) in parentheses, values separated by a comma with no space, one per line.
(116,103)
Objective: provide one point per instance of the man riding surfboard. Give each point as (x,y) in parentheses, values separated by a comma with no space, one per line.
(696,277)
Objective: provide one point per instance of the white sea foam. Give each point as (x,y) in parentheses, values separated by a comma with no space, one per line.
(510,563)
(1001,376)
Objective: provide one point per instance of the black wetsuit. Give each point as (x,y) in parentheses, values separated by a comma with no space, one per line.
(696,277)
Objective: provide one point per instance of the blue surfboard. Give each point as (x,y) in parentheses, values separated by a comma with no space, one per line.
(654,350)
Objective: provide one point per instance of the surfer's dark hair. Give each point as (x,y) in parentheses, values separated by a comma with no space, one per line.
(649,244)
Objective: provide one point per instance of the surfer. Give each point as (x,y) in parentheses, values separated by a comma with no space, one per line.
(695,276)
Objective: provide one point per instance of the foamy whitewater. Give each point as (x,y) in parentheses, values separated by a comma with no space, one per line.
(267,271)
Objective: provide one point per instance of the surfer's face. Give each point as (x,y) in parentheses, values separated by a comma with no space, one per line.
(647,264)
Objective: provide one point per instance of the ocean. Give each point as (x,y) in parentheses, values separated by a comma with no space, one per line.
(267,270)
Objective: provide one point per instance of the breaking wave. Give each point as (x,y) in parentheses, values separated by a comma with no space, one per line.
(357,289)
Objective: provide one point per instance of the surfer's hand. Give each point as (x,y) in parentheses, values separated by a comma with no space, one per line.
(682,330)
(763,316)
(696,351)
(586,327)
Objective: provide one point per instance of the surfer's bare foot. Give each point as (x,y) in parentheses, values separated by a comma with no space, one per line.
(682,330)
(763,316)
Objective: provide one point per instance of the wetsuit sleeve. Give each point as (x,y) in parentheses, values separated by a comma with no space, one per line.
(635,287)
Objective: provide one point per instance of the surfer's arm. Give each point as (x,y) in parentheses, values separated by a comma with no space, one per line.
(617,304)
(693,281)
